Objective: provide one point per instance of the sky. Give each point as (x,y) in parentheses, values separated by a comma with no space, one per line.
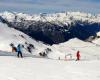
(50,6)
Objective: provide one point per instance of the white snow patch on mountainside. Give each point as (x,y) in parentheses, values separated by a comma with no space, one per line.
(97,40)
(98,34)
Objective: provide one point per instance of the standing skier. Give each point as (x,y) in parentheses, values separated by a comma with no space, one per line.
(19,51)
(78,55)
(13,47)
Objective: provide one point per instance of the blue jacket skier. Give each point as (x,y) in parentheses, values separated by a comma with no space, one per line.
(19,51)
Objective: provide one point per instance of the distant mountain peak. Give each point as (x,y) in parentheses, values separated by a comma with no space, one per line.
(54,17)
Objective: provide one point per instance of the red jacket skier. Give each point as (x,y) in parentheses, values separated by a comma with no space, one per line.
(78,55)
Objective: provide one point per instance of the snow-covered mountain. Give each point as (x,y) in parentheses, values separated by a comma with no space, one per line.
(10,35)
(44,27)
(63,17)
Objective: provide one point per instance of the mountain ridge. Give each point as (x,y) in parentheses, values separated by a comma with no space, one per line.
(61,16)
(54,28)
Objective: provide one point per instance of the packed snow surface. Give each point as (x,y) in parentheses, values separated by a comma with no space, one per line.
(27,68)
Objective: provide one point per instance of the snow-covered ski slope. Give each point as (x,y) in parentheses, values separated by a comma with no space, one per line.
(88,51)
(27,68)
(10,35)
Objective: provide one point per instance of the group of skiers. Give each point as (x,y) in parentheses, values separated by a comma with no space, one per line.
(19,52)
(17,49)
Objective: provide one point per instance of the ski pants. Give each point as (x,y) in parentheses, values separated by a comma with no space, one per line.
(19,54)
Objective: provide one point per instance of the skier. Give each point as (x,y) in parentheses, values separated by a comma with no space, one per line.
(78,55)
(13,47)
(29,48)
(19,51)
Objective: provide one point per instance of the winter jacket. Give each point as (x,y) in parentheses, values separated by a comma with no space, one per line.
(19,47)
(78,54)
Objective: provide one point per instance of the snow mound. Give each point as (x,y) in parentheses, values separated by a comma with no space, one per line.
(87,50)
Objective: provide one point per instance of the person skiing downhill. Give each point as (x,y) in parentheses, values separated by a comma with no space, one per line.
(78,55)
(19,51)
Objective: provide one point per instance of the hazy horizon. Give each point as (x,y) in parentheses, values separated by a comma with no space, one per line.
(50,6)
